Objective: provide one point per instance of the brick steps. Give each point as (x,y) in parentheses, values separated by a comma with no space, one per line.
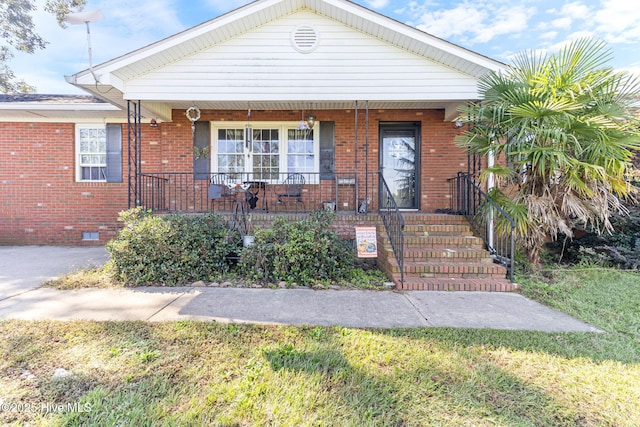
(437,230)
(450,269)
(457,284)
(411,240)
(442,254)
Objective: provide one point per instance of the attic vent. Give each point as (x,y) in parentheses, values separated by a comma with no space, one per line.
(305,39)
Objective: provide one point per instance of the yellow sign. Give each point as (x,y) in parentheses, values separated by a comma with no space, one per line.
(366,242)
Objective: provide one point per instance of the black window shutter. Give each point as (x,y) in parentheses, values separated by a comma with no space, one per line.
(327,150)
(114,153)
(202,151)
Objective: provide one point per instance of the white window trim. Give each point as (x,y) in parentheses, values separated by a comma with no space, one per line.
(80,126)
(283,128)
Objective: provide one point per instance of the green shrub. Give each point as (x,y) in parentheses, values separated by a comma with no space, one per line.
(305,251)
(365,278)
(171,249)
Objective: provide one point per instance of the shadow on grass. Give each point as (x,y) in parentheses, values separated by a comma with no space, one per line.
(204,373)
(598,347)
(380,392)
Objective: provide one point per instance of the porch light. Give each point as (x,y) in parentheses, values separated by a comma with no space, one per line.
(153,123)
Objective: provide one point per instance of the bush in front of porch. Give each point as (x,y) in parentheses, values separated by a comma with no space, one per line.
(305,251)
(170,249)
(178,249)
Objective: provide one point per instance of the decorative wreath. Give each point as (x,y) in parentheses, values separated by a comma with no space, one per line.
(193,113)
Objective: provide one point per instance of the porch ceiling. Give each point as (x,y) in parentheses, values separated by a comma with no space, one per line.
(163,110)
(449,107)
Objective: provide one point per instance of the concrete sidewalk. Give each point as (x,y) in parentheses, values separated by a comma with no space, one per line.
(352,308)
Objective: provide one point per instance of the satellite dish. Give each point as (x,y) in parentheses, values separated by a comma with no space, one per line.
(79,18)
(84,17)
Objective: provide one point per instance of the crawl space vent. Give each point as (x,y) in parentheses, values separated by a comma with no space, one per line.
(305,39)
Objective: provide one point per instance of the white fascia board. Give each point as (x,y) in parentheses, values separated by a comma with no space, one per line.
(35,118)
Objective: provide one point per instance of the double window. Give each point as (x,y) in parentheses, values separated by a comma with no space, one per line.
(265,151)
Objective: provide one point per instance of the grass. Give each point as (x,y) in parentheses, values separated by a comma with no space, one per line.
(100,277)
(96,277)
(204,373)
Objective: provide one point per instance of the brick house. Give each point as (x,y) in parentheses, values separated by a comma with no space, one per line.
(349,99)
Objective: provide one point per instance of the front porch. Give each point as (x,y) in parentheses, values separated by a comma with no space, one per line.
(417,251)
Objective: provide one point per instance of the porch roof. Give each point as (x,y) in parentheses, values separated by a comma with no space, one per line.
(149,74)
(73,108)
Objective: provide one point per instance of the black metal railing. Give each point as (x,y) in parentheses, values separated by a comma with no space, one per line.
(393,222)
(188,192)
(487,219)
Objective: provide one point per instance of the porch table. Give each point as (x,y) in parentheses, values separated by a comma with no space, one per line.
(252,192)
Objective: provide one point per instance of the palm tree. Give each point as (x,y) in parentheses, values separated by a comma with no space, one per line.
(561,129)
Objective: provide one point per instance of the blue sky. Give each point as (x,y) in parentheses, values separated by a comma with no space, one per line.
(495,28)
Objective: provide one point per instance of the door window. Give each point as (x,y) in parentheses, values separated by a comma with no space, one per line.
(399,161)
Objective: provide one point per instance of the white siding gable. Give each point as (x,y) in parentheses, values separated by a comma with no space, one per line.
(263,65)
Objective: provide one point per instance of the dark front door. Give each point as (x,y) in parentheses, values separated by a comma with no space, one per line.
(399,160)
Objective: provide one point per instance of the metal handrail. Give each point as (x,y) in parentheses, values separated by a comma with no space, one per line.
(155,188)
(188,192)
(487,219)
(393,223)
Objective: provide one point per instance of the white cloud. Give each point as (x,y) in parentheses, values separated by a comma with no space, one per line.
(478,23)
(568,38)
(549,35)
(447,23)
(128,26)
(633,70)
(562,23)
(618,21)
(576,10)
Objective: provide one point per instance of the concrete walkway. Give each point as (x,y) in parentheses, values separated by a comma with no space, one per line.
(22,269)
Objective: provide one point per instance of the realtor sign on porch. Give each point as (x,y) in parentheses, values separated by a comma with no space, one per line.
(366,242)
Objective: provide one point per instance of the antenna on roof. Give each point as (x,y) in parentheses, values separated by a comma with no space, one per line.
(79,18)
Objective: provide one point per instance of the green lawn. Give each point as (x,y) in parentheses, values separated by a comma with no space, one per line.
(199,373)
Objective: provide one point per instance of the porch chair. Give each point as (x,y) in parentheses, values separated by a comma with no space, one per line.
(218,190)
(291,190)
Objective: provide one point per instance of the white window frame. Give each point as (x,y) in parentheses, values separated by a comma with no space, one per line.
(78,157)
(283,128)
